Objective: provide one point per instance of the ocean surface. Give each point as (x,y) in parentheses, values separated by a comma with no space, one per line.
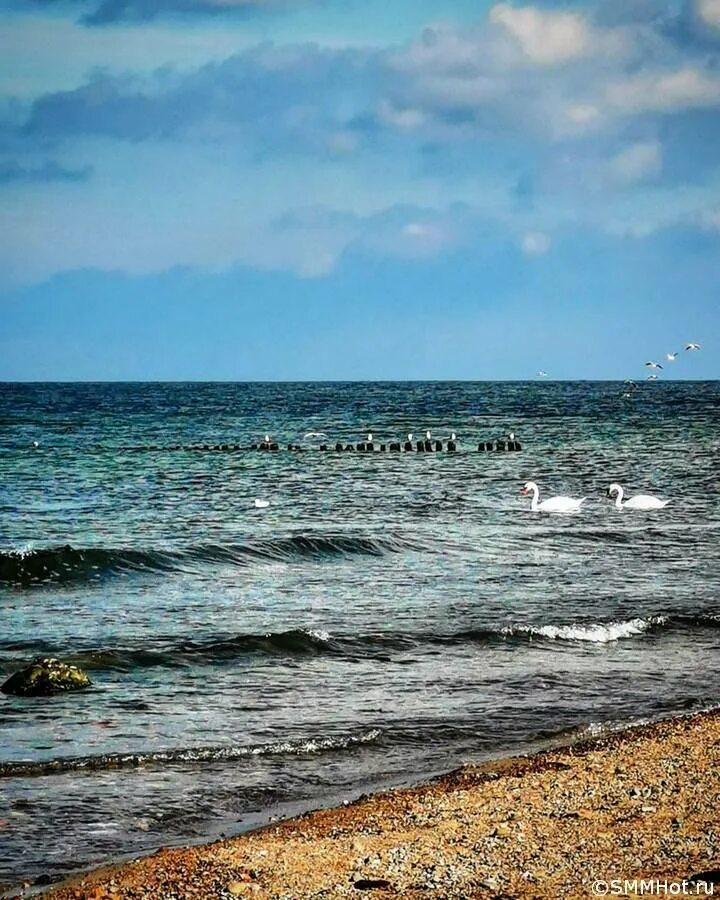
(385,618)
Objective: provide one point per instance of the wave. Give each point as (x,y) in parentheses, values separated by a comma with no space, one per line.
(186,755)
(177,652)
(595,632)
(62,564)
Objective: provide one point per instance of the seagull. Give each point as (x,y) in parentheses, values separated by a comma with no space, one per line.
(651,378)
(631,384)
(410,436)
(314,434)
(267,438)
(511,436)
(261,504)
(542,374)
(671,357)
(693,347)
(452,436)
(36,443)
(369,438)
(427,435)
(653,365)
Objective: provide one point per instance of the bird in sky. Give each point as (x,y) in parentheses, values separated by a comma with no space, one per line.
(542,374)
(671,357)
(692,346)
(653,365)
(651,378)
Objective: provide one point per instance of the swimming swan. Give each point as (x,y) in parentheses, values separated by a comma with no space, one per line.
(552,504)
(639,501)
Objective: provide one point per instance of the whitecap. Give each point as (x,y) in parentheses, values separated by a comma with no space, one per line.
(593,632)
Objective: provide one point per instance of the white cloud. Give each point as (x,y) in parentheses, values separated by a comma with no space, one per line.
(685,88)
(638,162)
(547,37)
(582,113)
(709,219)
(404,118)
(536,243)
(709,12)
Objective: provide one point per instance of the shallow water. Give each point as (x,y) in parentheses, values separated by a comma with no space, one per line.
(385,618)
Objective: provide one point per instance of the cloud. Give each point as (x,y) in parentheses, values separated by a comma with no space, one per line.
(278,97)
(535,243)
(709,219)
(537,119)
(547,37)
(638,162)
(708,11)
(109,12)
(664,91)
(12,171)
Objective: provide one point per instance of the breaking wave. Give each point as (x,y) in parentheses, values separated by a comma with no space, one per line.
(171,651)
(187,755)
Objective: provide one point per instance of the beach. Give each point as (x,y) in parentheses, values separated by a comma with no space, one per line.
(637,804)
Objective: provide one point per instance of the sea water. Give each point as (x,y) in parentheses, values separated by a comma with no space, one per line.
(386,617)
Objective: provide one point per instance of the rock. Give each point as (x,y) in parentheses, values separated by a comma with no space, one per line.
(44,677)
(711,877)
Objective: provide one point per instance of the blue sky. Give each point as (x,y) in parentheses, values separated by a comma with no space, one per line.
(322,189)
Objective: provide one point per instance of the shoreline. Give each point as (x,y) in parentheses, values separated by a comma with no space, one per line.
(641,802)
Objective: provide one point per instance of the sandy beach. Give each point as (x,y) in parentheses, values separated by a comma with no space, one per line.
(636,804)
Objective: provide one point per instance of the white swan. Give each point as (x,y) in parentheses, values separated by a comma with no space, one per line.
(552,504)
(639,501)
(261,504)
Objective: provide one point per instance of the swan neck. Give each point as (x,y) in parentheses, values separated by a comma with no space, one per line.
(535,498)
(619,498)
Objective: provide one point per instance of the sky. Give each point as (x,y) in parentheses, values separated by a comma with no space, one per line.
(356,189)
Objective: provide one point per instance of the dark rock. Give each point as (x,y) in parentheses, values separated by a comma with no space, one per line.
(712,876)
(45,676)
(372,884)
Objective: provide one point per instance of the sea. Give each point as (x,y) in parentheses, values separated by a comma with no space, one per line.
(385,618)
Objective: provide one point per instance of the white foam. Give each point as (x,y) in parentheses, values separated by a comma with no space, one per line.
(320,635)
(594,632)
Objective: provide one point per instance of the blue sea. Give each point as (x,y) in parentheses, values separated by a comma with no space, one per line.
(386,617)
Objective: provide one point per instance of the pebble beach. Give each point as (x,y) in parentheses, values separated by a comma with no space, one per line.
(641,803)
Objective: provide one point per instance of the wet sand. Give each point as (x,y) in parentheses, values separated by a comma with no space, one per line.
(643,803)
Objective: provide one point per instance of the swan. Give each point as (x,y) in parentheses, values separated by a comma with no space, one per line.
(261,504)
(639,501)
(552,504)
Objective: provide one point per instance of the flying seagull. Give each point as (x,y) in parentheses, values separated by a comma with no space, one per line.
(653,365)
(651,378)
(542,374)
(693,347)
(671,357)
